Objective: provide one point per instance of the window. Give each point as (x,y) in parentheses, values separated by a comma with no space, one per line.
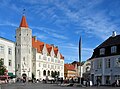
(44,65)
(113,49)
(9,51)
(58,61)
(52,66)
(92,64)
(39,64)
(108,63)
(58,67)
(99,63)
(1,49)
(52,60)
(2,59)
(44,58)
(48,59)
(44,72)
(10,63)
(48,73)
(18,50)
(39,57)
(55,60)
(102,51)
(18,66)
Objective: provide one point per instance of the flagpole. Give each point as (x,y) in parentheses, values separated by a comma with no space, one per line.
(80,41)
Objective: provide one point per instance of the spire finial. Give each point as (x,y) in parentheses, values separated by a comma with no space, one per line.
(24,11)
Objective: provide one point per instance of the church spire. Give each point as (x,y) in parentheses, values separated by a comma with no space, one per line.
(23,21)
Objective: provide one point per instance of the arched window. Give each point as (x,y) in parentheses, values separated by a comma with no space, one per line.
(48,73)
(58,73)
(44,72)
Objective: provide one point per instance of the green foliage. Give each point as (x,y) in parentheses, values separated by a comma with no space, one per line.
(2,67)
(54,74)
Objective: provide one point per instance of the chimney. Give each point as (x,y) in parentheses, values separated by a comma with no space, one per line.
(114,34)
(35,38)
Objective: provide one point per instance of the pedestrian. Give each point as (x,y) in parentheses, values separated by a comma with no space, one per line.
(91,84)
(117,82)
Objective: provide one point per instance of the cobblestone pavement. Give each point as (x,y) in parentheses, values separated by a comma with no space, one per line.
(47,86)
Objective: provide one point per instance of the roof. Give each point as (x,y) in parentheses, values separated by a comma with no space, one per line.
(38,45)
(23,22)
(7,39)
(69,67)
(111,41)
(75,62)
(55,50)
(61,56)
(49,48)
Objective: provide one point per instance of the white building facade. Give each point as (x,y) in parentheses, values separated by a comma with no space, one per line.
(7,54)
(35,58)
(105,61)
(23,50)
(46,60)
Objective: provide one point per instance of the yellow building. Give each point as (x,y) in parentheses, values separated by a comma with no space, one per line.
(69,71)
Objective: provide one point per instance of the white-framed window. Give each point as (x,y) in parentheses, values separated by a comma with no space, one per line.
(102,51)
(10,63)
(92,64)
(108,63)
(61,61)
(58,67)
(61,67)
(52,60)
(44,65)
(58,61)
(55,60)
(52,66)
(39,64)
(48,66)
(9,51)
(44,58)
(48,59)
(99,63)
(39,56)
(113,49)
(1,49)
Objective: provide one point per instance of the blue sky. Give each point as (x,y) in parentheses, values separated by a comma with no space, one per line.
(62,22)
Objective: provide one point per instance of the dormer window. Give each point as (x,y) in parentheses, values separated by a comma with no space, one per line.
(113,49)
(102,51)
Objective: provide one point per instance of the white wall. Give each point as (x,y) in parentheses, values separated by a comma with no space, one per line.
(8,44)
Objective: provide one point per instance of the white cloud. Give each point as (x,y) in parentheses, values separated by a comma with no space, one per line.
(8,24)
(40,36)
(51,32)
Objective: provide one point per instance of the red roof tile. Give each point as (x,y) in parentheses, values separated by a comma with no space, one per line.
(69,67)
(61,56)
(55,50)
(37,44)
(49,48)
(23,22)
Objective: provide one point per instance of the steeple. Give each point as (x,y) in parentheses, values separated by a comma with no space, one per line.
(23,21)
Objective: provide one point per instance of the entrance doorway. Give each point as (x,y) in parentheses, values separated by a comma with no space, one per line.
(24,77)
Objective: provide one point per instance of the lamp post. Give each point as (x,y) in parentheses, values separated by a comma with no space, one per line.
(111,76)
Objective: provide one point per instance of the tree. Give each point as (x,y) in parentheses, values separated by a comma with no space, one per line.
(54,74)
(2,67)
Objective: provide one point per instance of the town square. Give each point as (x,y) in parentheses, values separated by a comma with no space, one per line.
(55,44)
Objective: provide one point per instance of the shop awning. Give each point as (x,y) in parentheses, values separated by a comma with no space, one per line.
(11,75)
